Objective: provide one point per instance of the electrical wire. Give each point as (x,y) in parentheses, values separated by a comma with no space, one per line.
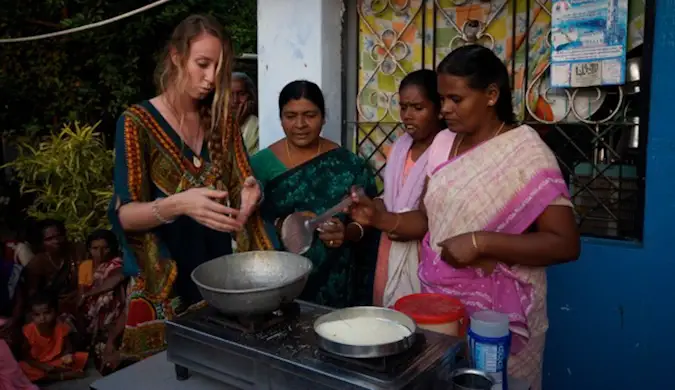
(85,27)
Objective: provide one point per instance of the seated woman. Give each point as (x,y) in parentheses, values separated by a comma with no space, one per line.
(398,260)
(495,214)
(102,293)
(11,376)
(304,172)
(48,353)
(53,269)
(245,104)
(11,301)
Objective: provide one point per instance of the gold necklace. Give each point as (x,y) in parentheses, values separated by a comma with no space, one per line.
(455,148)
(288,152)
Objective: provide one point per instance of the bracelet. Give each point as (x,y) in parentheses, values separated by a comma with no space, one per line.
(157,215)
(398,222)
(360,228)
(473,240)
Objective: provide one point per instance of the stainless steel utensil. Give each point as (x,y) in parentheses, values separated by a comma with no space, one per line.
(470,379)
(366,351)
(633,67)
(297,230)
(251,283)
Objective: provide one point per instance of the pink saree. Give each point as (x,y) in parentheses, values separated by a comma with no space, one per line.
(502,185)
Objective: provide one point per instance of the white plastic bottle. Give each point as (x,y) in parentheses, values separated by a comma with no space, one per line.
(489,345)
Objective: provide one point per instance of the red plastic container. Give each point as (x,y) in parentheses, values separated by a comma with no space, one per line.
(435,312)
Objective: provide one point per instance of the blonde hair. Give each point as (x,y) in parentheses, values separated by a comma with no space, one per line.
(213,110)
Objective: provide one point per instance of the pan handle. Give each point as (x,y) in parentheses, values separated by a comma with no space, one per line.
(315,222)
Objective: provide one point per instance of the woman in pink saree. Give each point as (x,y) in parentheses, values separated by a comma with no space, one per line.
(404,178)
(494,214)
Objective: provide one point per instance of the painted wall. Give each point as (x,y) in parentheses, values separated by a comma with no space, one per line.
(299,39)
(612,313)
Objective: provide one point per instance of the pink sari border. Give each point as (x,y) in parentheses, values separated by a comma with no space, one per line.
(528,204)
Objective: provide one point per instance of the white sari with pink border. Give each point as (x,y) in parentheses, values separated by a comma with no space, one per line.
(502,185)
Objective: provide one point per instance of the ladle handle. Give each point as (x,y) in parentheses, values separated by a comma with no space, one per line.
(314,223)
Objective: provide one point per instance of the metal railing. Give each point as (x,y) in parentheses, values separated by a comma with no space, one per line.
(596,133)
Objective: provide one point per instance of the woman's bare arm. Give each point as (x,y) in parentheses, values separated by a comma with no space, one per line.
(111,282)
(555,241)
(408,226)
(139,216)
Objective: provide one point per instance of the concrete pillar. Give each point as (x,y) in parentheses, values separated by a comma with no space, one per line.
(299,39)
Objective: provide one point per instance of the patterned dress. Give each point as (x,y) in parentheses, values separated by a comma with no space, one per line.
(341,276)
(152,162)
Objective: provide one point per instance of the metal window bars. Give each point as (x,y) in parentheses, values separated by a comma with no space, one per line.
(596,133)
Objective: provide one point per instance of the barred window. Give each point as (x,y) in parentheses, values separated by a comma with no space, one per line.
(598,134)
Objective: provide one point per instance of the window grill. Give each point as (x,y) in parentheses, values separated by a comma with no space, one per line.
(596,133)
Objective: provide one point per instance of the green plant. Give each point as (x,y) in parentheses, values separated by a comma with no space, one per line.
(69,174)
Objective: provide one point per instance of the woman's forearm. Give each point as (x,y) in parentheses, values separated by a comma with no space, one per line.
(530,249)
(110,283)
(140,216)
(408,226)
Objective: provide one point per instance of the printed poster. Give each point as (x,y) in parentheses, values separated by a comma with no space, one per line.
(588,42)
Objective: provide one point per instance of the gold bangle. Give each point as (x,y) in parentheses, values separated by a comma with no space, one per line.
(473,240)
(398,222)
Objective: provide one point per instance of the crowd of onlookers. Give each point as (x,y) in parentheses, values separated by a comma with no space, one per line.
(63,307)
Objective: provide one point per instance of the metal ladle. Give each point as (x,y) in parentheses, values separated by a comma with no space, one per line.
(297,230)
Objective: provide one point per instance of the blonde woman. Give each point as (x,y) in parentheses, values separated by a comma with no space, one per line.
(182,183)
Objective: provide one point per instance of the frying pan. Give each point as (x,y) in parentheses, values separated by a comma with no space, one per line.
(366,351)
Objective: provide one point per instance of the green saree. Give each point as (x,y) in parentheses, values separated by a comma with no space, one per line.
(341,276)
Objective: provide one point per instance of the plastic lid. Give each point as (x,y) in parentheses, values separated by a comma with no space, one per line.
(430,308)
(490,324)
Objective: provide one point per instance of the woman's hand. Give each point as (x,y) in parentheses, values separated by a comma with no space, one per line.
(202,205)
(332,233)
(459,251)
(250,196)
(363,209)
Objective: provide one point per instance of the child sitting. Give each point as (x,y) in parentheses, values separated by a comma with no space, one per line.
(47,352)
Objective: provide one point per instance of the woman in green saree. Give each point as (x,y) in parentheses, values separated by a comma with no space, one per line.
(304,172)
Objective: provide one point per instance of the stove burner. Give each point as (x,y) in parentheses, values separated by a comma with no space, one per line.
(254,323)
(387,365)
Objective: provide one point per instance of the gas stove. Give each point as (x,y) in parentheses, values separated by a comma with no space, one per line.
(279,351)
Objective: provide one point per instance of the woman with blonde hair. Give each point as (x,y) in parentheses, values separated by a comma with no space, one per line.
(183,184)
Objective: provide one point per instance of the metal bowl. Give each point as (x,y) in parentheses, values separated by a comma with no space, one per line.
(252,283)
(366,351)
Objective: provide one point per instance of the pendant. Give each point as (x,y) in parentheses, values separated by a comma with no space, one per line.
(197,161)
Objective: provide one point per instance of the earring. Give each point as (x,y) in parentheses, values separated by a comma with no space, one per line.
(491,103)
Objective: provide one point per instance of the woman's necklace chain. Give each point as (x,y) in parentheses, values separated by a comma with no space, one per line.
(288,152)
(196,158)
(455,148)
(49,256)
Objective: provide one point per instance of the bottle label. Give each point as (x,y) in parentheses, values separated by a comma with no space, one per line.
(490,355)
